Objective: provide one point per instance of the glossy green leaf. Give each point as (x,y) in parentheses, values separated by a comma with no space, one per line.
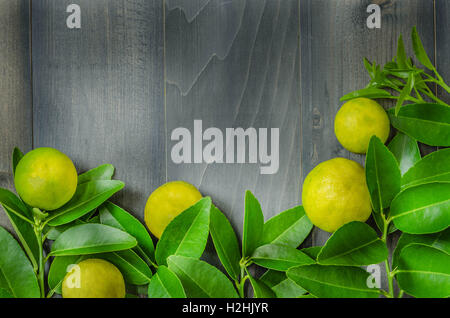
(312,251)
(405,150)
(16,269)
(424,271)
(281,285)
(20,218)
(253,225)
(225,242)
(54,232)
(260,289)
(201,280)
(103,172)
(187,234)
(16,157)
(165,284)
(422,209)
(434,167)
(439,240)
(427,123)
(406,91)
(353,244)
(91,239)
(279,257)
(401,54)
(333,281)
(419,50)
(289,228)
(112,215)
(5,293)
(382,175)
(88,197)
(372,93)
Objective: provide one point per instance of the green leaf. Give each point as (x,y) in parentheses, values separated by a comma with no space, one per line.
(281,285)
(58,270)
(54,232)
(16,157)
(165,284)
(16,270)
(424,271)
(439,240)
(279,257)
(91,239)
(88,197)
(405,150)
(253,225)
(225,242)
(432,168)
(289,228)
(401,54)
(378,218)
(20,218)
(406,91)
(422,209)
(5,294)
(112,215)
(372,93)
(260,289)
(419,50)
(199,279)
(382,175)
(353,244)
(103,172)
(187,234)
(333,281)
(427,123)
(312,251)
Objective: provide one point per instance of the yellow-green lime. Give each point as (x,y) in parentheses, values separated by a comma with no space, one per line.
(357,121)
(168,201)
(45,178)
(93,278)
(335,193)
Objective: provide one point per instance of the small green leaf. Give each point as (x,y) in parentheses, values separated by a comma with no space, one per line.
(312,251)
(353,244)
(423,271)
(112,215)
(427,123)
(103,172)
(419,50)
(279,257)
(432,168)
(165,284)
(91,239)
(401,54)
(289,228)
(382,175)
(253,225)
(333,281)
(406,91)
(372,93)
(16,157)
(260,289)
(88,197)
(422,209)
(187,234)
(199,279)
(405,150)
(225,242)
(281,285)
(15,269)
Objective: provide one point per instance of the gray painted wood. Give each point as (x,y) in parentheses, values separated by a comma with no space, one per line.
(236,64)
(98,90)
(334,41)
(15,88)
(443,44)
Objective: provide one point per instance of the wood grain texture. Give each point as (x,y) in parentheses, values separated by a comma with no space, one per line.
(236,64)
(15,87)
(443,44)
(98,90)
(334,41)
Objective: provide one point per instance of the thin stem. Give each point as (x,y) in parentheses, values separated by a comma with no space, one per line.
(390,278)
(41,269)
(400,294)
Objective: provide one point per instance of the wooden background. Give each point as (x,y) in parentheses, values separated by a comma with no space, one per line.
(113,91)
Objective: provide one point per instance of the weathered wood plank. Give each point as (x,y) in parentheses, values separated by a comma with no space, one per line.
(98,90)
(334,41)
(236,64)
(15,87)
(443,45)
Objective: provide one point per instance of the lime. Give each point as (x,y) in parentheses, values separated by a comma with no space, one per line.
(335,193)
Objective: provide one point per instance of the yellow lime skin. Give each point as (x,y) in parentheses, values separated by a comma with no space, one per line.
(93,278)
(357,121)
(335,193)
(46,178)
(168,201)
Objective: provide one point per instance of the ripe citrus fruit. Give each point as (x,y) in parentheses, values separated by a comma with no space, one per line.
(357,121)
(45,178)
(166,202)
(93,278)
(335,193)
